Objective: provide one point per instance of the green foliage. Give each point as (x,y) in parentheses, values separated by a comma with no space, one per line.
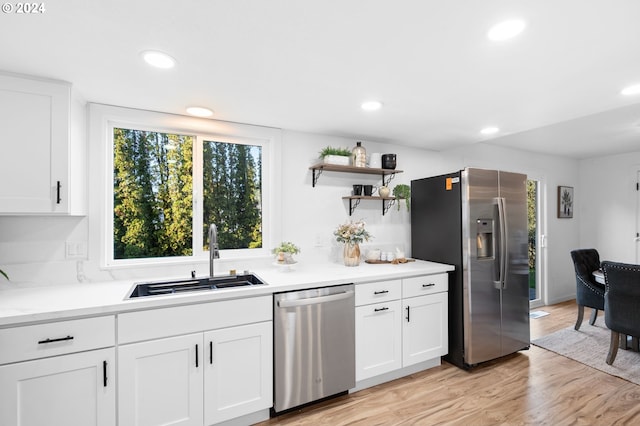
(152,188)
(286,247)
(344,152)
(402,191)
(233,194)
(532,201)
(153,194)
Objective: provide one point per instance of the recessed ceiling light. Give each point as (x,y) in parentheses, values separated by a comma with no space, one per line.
(200,111)
(371,105)
(631,90)
(506,30)
(490,130)
(158,59)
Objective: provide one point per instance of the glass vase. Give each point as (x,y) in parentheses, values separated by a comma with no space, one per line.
(351,254)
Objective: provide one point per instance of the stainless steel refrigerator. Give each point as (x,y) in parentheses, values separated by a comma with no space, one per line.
(476,220)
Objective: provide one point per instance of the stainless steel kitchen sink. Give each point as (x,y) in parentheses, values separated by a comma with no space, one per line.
(157,288)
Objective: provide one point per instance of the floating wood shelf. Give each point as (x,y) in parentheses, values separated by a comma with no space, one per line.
(387,174)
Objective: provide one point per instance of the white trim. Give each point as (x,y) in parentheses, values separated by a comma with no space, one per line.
(102,120)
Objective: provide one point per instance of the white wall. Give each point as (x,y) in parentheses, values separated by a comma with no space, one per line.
(608,206)
(32,248)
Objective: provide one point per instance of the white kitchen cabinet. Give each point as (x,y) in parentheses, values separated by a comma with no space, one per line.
(238,371)
(160,382)
(214,364)
(400,323)
(378,339)
(37,163)
(424,331)
(71,390)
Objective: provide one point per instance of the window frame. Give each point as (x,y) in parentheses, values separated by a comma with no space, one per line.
(102,121)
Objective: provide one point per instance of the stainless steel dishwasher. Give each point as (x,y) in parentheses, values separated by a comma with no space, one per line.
(314,333)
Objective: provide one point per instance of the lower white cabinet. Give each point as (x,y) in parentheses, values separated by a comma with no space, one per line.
(424,328)
(195,379)
(400,323)
(238,371)
(71,390)
(378,339)
(160,382)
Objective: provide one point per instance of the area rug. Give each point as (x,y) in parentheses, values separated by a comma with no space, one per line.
(590,346)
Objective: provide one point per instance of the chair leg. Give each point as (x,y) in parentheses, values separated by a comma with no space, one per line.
(580,316)
(594,315)
(613,347)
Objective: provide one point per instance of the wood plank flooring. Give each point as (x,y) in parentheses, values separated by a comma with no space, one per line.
(534,387)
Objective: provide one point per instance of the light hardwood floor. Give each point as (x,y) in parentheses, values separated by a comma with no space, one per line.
(534,387)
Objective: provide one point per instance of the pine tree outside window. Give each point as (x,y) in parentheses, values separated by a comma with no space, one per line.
(168,188)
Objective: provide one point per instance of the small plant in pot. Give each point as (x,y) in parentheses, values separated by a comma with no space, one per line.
(403,191)
(340,156)
(285,251)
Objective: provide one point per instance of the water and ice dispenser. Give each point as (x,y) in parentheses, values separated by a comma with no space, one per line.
(484,238)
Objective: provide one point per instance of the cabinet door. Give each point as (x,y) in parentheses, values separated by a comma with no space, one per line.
(160,382)
(378,339)
(70,390)
(424,334)
(34,128)
(238,371)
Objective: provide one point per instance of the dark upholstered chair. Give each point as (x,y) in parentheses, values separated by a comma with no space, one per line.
(621,302)
(589,293)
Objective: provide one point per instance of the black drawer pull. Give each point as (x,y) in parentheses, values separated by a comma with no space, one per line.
(59,339)
(408,314)
(211,352)
(381,309)
(104,373)
(197,356)
(428,285)
(381,292)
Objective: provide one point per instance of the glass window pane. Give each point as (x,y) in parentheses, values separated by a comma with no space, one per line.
(152,194)
(232,192)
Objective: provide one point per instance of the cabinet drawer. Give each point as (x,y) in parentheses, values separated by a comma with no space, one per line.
(379,291)
(56,338)
(425,284)
(177,320)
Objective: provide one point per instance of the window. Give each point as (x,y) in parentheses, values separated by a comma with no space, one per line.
(167,177)
(153,193)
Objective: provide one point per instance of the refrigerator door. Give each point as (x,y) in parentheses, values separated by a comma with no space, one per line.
(481,260)
(515,288)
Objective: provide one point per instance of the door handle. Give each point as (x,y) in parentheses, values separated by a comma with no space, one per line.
(380,309)
(196,355)
(408,314)
(314,300)
(211,352)
(104,374)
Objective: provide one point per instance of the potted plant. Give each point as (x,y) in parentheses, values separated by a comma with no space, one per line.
(352,234)
(339,156)
(403,191)
(285,251)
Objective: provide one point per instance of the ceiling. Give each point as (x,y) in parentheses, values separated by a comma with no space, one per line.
(308,65)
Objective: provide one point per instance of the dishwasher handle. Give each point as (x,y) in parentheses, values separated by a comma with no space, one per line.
(314,300)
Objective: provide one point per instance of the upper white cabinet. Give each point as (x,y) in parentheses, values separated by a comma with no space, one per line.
(39,165)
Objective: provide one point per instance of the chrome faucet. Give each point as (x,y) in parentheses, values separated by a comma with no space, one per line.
(214,253)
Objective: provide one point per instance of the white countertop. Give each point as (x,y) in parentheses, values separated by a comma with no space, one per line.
(39,304)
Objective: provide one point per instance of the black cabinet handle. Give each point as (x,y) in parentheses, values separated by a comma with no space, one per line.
(58,187)
(381,292)
(59,339)
(211,353)
(104,373)
(428,285)
(380,309)
(408,314)
(197,356)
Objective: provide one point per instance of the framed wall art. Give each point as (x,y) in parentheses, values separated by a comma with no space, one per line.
(565,202)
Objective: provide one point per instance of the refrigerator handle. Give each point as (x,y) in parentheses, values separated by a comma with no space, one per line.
(502,225)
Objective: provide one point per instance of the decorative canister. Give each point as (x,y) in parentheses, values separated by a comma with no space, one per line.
(359,155)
